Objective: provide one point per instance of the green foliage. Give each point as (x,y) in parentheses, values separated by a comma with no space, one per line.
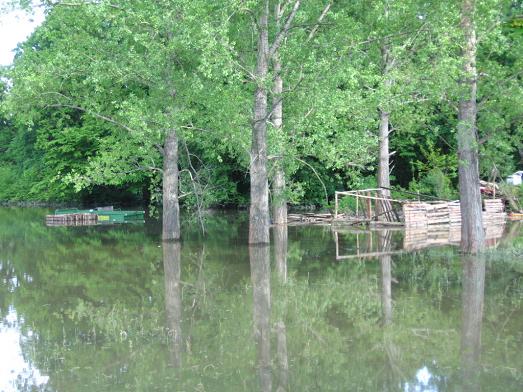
(95,87)
(435,183)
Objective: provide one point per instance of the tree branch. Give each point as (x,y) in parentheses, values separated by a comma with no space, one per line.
(320,19)
(283,32)
(94,114)
(318,176)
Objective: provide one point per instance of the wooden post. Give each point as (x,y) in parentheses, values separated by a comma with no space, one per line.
(369,206)
(335,205)
(357,204)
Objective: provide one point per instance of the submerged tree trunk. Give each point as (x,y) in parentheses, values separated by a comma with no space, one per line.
(279,202)
(473,299)
(280,235)
(259,209)
(384,245)
(171,208)
(472,235)
(173,300)
(259,257)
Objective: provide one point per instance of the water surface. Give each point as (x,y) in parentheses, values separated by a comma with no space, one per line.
(111,308)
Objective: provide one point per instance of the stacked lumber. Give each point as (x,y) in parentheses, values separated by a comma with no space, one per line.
(81,219)
(415,214)
(494,211)
(454,213)
(438,214)
(312,218)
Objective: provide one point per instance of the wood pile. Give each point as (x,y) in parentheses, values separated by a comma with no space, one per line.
(312,218)
(415,214)
(437,214)
(71,220)
(494,211)
(422,214)
(455,213)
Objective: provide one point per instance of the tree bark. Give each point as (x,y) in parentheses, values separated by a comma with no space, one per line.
(259,209)
(383,139)
(173,300)
(171,207)
(383,162)
(472,235)
(279,202)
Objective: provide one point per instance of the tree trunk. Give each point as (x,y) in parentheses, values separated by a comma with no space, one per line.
(173,300)
(383,140)
(472,235)
(383,163)
(259,209)
(171,208)
(279,202)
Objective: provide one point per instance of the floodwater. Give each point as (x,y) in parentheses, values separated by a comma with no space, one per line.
(111,308)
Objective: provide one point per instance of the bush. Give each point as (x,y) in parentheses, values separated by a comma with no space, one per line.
(435,183)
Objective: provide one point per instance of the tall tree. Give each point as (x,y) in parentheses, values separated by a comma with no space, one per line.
(279,202)
(472,234)
(259,210)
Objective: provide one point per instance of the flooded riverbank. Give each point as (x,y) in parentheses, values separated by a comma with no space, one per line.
(110,308)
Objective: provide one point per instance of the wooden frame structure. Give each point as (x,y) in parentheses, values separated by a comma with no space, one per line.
(374,206)
(387,211)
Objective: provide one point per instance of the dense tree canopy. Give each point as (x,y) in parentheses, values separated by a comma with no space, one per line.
(94,91)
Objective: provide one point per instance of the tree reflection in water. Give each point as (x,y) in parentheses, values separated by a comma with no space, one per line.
(384,241)
(392,372)
(280,257)
(261,287)
(473,298)
(261,283)
(173,300)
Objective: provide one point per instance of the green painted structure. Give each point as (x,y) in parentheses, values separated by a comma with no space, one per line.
(107,215)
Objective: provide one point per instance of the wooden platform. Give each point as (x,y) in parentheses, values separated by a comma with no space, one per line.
(81,219)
